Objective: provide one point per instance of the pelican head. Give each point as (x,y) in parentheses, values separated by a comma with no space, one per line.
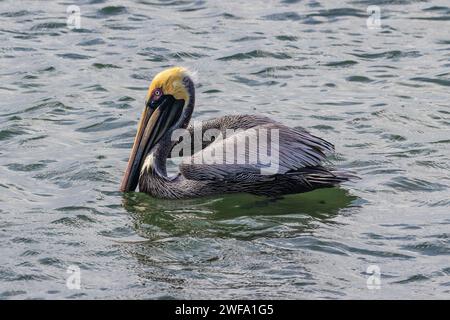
(168,106)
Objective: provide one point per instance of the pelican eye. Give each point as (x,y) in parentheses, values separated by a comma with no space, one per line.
(157,93)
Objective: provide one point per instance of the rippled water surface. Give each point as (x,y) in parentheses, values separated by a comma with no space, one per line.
(70,101)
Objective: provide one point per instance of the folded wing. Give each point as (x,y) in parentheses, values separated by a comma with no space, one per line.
(262,147)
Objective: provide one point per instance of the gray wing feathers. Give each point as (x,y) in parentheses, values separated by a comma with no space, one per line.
(296,149)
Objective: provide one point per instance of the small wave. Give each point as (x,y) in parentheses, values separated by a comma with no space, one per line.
(105,66)
(341,64)
(292,16)
(254,83)
(7,134)
(438,18)
(441,82)
(431,248)
(26,167)
(414,278)
(15,14)
(248,38)
(362,79)
(182,55)
(339,12)
(414,184)
(73,56)
(107,124)
(111,11)
(286,38)
(392,54)
(255,54)
(12,293)
(49,26)
(77,221)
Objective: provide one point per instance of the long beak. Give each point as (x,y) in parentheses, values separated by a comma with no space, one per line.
(155,122)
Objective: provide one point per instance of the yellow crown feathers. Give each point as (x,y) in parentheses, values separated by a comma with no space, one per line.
(170,81)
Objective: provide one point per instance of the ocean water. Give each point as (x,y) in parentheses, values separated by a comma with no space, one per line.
(71,99)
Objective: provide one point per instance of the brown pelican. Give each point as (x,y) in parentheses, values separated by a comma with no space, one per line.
(169,105)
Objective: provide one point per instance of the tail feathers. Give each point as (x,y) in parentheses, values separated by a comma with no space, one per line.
(318,176)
